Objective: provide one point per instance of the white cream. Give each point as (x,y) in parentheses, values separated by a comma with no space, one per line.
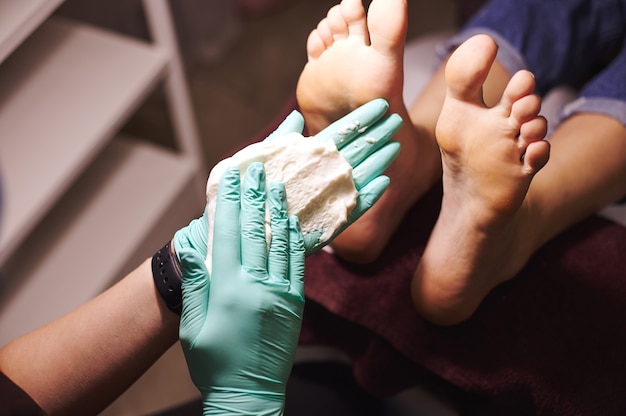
(318,181)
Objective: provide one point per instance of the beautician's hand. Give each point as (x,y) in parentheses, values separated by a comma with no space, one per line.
(363,139)
(240,337)
(190,246)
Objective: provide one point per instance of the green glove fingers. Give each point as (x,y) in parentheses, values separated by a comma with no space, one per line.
(253,245)
(370,183)
(374,165)
(368,195)
(226,220)
(286,238)
(313,241)
(240,347)
(293,123)
(296,260)
(363,138)
(353,124)
(278,266)
(371,140)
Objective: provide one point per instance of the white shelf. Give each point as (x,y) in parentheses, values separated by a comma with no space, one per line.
(64,93)
(80,246)
(81,209)
(19,18)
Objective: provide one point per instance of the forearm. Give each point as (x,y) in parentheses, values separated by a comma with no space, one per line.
(81,362)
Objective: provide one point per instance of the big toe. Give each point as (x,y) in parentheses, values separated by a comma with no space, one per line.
(387,22)
(468,67)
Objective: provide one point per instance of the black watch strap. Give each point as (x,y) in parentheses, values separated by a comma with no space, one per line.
(168,278)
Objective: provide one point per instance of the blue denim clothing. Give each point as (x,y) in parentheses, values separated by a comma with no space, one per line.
(578,43)
(605,93)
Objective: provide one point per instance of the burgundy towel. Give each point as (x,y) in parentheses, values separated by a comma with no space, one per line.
(550,342)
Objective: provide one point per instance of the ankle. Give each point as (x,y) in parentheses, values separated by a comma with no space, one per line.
(437,298)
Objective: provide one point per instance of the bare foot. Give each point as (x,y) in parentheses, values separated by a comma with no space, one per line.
(489,158)
(354,57)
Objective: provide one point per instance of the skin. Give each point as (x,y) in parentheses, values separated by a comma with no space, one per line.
(490,156)
(498,208)
(95,352)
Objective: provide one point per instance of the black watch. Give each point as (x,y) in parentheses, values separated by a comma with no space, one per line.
(168,278)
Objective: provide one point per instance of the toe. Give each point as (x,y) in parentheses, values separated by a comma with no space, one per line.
(354,15)
(325,33)
(337,23)
(524,109)
(387,22)
(532,131)
(315,45)
(521,84)
(536,156)
(468,67)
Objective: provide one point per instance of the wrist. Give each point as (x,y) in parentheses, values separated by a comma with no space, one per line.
(219,401)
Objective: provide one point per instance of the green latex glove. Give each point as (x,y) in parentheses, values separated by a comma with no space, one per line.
(193,237)
(240,337)
(363,138)
(190,246)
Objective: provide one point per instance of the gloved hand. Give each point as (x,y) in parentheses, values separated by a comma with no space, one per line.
(190,241)
(240,337)
(363,139)
(190,246)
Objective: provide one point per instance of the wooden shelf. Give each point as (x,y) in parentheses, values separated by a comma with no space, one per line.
(80,247)
(64,93)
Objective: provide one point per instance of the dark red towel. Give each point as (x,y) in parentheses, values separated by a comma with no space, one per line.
(552,341)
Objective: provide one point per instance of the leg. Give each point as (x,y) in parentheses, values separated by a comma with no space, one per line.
(489,157)
(334,82)
(592,136)
(498,208)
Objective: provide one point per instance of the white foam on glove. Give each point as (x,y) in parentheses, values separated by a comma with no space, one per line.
(318,181)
